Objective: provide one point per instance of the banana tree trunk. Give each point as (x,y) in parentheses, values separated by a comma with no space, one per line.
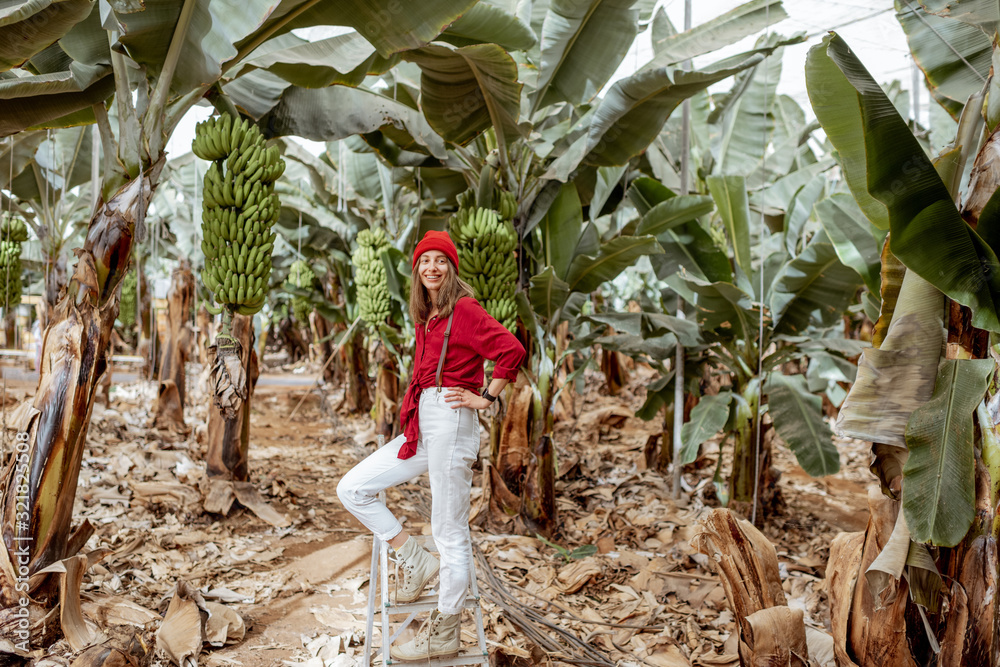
(229,430)
(39,490)
(614,369)
(387,394)
(168,412)
(204,320)
(10,328)
(752,471)
(354,356)
(149,338)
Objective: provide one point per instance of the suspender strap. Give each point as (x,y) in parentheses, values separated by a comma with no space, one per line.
(444,350)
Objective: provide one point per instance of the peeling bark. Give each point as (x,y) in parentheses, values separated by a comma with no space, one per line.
(74,357)
(229,438)
(168,412)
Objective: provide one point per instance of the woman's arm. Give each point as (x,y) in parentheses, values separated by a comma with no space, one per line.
(491,340)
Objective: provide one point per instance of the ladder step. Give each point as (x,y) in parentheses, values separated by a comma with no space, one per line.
(426,603)
(454,661)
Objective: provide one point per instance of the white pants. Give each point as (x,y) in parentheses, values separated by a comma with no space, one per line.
(447,449)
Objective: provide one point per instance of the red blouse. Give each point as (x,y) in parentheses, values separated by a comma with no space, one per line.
(475,336)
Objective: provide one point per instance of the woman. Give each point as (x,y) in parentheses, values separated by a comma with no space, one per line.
(440,436)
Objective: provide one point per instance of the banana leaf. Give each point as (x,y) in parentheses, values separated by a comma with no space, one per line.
(674,212)
(28,27)
(798,420)
(547,293)
(815,288)
(649,325)
(718,32)
(586,273)
(35,100)
(851,235)
(338,112)
(657,348)
(933,42)
(897,379)
(707,419)
(582,44)
(561,228)
(877,150)
(722,306)
(466,90)
(798,212)
(730,195)
(344,59)
(939,479)
(488,23)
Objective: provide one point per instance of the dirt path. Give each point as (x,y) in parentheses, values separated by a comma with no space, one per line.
(302,589)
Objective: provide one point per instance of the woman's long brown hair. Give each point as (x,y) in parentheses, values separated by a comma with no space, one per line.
(453,289)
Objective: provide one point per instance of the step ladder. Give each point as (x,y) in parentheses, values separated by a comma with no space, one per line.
(380,599)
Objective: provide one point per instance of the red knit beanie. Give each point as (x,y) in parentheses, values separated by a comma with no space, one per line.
(436,241)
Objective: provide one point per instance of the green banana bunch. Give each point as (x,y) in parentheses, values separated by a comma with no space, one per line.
(239,208)
(13,232)
(126,306)
(370,277)
(302,276)
(486,241)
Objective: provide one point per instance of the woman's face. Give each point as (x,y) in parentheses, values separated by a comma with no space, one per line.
(433,267)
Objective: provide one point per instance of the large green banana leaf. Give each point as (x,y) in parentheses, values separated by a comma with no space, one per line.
(881,157)
(748,119)
(548,293)
(657,347)
(939,43)
(17,153)
(730,195)
(939,478)
(466,90)
(721,306)
(688,246)
(256,92)
(650,324)
(798,420)
(337,112)
(582,44)
(586,273)
(33,101)
(814,289)
(561,228)
(799,210)
(63,162)
(674,212)
(718,32)
(344,59)
(850,232)
(634,109)
(707,419)
(28,27)
(488,23)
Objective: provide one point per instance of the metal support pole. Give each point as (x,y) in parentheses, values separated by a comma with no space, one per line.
(915,92)
(679,350)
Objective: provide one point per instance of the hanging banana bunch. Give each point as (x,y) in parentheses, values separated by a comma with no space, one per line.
(486,240)
(127,304)
(370,278)
(301,275)
(13,232)
(239,208)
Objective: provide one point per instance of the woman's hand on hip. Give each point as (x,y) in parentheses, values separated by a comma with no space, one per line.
(466,398)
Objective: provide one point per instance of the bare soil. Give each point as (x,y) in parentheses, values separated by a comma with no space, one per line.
(645,597)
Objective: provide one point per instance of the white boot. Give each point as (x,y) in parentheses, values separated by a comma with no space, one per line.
(416,568)
(438,637)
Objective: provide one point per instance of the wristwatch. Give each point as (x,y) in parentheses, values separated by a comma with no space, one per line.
(488,396)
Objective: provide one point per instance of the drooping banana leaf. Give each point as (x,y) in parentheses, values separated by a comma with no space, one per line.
(730,195)
(798,420)
(561,227)
(882,157)
(36,100)
(815,288)
(582,44)
(650,325)
(798,212)
(718,32)
(674,212)
(939,476)
(28,27)
(722,305)
(338,112)
(465,90)
(344,59)
(486,22)
(933,42)
(657,347)
(850,232)
(707,419)
(547,293)
(897,378)
(586,273)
